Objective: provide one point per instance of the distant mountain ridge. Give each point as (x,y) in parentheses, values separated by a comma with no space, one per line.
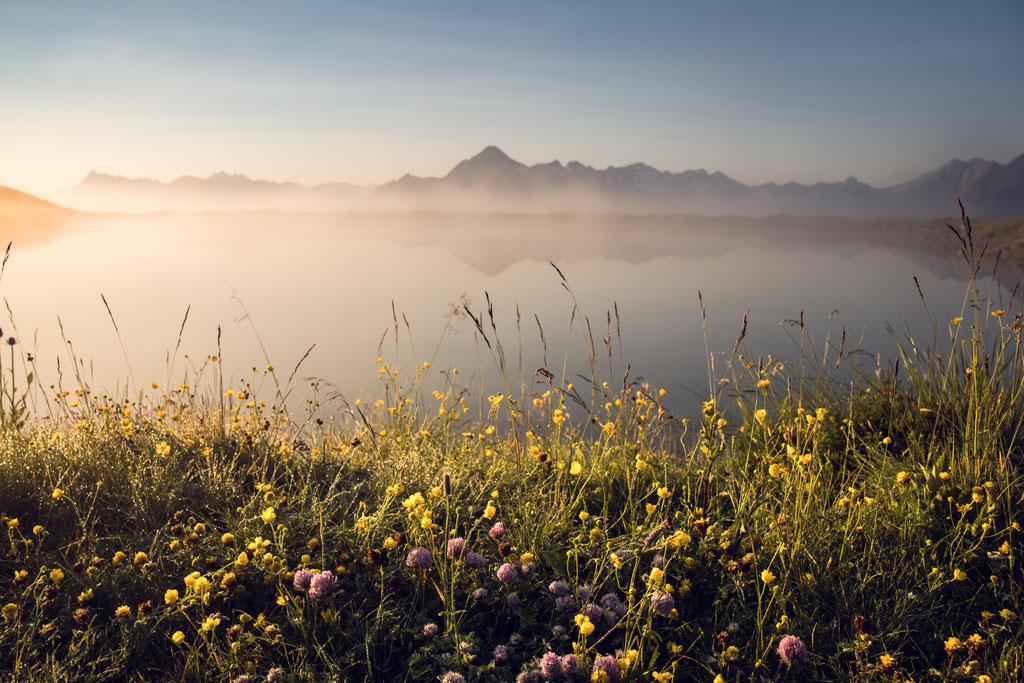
(491,180)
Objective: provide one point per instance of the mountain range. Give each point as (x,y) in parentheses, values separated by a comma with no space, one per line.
(492,181)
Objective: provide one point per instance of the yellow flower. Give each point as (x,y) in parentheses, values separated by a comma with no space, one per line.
(178,638)
(760,414)
(56,575)
(767,576)
(732,653)
(123,612)
(656,576)
(58,494)
(679,539)
(651,507)
(609,428)
(663,492)
(269,516)
(956,321)
(171,596)
(954,646)
(775,470)
(163,449)
(959,574)
(902,478)
(10,613)
(719,678)
(390,543)
(998,313)
(210,623)
(576,468)
(584,516)
(586,628)
(490,511)
(12,523)
(140,558)
(243,559)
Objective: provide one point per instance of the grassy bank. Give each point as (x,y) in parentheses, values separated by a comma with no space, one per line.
(802,527)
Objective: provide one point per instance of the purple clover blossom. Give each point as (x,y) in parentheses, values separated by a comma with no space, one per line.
(275,674)
(512,600)
(593,612)
(663,603)
(658,562)
(241,679)
(507,574)
(792,650)
(527,568)
(564,602)
(456,547)
(480,594)
(610,601)
(322,585)
(500,654)
(558,588)
(570,666)
(497,531)
(474,560)
(430,629)
(551,666)
(302,579)
(452,677)
(515,640)
(528,677)
(610,666)
(419,558)
(583,592)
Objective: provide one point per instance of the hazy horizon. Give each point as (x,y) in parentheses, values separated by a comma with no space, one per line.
(319,92)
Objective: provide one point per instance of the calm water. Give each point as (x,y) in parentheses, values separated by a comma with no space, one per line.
(331,281)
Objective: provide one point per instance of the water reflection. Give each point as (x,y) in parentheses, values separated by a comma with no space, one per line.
(279,282)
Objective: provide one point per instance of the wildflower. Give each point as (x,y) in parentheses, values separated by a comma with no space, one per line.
(474,560)
(775,470)
(663,492)
(269,516)
(302,579)
(171,596)
(507,574)
(551,666)
(490,511)
(586,626)
(140,558)
(760,414)
(10,612)
(178,638)
(617,559)
(123,612)
(886,663)
(275,674)
(390,543)
(584,515)
(322,585)
(241,679)
(570,666)
(954,647)
(902,478)
(564,602)
(118,558)
(419,558)
(767,576)
(732,653)
(959,574)
(497,531)
(606,670)
(575,468)
(480,594)
(37,529)
(243,559)
(456,547)
(512,600)
(663,603)
(679,539)
(558,588)
(56,575)
(500,654)
(430,630)
(452,677)
(792,650)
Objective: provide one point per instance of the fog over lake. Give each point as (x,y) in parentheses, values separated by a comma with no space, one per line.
(333,280)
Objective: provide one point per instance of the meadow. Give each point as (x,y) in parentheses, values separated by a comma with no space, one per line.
(828,519)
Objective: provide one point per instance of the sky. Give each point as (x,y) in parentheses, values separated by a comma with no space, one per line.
(316,92)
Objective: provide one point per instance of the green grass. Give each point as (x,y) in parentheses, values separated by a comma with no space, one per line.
(874,513)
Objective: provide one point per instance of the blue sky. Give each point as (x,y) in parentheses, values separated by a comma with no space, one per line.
(365,92)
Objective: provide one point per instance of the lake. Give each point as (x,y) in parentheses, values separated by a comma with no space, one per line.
(278,283)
